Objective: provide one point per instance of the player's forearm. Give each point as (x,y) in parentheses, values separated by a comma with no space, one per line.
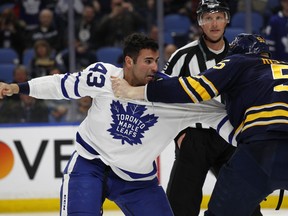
(136,93)
(167,91)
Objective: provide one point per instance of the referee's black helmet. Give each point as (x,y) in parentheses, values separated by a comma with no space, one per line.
(212,6)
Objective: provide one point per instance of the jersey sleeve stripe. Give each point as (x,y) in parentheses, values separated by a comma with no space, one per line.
(211,86)
(198,89)
(76,87)
(196,85)
(188,92)
(63,80)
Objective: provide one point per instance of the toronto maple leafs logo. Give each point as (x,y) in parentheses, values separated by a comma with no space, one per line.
(129,125)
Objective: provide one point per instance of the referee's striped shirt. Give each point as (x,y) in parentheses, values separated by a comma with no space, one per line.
(192,59)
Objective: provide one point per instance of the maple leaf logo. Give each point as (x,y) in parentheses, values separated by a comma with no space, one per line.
(129,125)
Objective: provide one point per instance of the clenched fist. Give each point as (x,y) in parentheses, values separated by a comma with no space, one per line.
(8,89)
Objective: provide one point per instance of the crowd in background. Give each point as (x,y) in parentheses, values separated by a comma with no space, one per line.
(42,25)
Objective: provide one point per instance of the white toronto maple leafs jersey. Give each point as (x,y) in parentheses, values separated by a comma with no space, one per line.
(126,135)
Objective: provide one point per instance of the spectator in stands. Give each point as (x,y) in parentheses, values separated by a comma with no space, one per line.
(42,62)
(277,33)
(84,57)
(190,10)
(148,10)
(174,6)
(31,110)
(10,106)
(169,49)
(122,21)
(62,8)
(86,28)
(79,112)
(61,11)
(11,31)
(55,70)
(26,110)
(29,12)
(46,30)
(257,6)
(97,6)
(57,108)
(20,74)
(154,32)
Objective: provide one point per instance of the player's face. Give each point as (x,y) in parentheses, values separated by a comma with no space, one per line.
(214,25)
(144,69)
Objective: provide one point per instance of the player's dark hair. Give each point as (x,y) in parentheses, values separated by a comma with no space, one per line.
(135,42)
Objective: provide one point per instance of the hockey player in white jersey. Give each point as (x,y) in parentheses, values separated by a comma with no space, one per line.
(119,140)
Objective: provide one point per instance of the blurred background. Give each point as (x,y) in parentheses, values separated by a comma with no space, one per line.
(46,37)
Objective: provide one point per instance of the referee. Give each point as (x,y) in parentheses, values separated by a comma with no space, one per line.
(199,148)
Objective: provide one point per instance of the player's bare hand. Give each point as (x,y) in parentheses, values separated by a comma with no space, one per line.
(7,89)
(123,89)
(120,87)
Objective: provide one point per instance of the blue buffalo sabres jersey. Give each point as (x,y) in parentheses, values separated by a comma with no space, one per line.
(126,135)
(255,88)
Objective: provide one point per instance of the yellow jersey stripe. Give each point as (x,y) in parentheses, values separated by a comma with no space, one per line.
(262,123)
(271,105)
(199,88)
(211,85)
(251,119)
(266,114)
(188,92)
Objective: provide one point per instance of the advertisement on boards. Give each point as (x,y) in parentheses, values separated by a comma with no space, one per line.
(32,159)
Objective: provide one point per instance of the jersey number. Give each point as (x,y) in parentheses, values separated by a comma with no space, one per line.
(97,78)
(277,72)
(221,64)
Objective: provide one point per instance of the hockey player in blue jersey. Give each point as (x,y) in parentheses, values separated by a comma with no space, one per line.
(256,91)
(119,140)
